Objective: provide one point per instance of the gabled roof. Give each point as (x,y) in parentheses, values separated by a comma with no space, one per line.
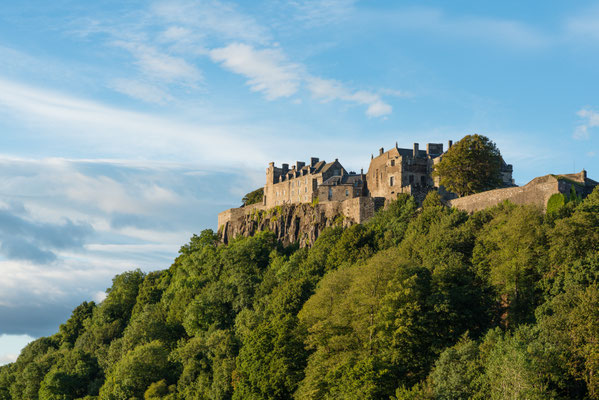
(318,166)
(328,166)
(344,180)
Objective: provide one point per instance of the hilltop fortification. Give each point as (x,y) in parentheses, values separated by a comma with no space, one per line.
(299,202)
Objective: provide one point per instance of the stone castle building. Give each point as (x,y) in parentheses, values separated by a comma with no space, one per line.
(320,194)
(390,173)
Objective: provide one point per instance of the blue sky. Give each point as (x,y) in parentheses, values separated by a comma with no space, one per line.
(126,126)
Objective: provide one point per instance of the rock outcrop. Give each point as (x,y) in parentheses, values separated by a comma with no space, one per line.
(295,223)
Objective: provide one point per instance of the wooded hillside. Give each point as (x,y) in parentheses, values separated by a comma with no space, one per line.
(415,304)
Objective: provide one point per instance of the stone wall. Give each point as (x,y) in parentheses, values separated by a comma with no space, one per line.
(293,223)
(537,192)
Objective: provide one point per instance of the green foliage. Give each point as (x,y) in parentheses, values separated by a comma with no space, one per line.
(135,372)
(556,202)
(74,374)
(470,166)
(457,371)
(432,199)
(389,224)
(428,303)
(510,256)
(253,197)
(74,326)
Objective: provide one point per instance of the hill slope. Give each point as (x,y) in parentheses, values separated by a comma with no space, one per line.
(429,303)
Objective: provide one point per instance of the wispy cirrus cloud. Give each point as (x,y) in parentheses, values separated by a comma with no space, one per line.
(140,90)
(267,70)
(161,66)
(173,37)
(590,119)
(211,20)
(583,26)
(327,90)
(323,12)
(122,132)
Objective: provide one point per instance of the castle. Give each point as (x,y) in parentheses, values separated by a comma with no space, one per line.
(390,173)
(300,202)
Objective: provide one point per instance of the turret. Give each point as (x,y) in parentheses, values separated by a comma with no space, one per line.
(415,152)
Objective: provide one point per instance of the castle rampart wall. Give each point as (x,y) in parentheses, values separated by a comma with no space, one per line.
(537,192)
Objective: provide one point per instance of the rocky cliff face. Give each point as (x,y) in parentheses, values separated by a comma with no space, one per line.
(292,223)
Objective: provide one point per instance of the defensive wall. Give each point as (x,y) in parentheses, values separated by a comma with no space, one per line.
(536,192)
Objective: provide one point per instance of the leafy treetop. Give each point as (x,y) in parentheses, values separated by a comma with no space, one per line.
(471,166)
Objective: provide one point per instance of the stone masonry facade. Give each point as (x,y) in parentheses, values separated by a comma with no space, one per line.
(329,186)
(310,197)
(390,173)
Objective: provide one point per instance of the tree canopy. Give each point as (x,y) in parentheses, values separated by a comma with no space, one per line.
(470,166)
(253,197)
(427,303)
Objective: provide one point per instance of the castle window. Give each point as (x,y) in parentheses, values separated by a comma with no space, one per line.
(305,190)
(392,164)
(330,193)
(391,181)
(346,192)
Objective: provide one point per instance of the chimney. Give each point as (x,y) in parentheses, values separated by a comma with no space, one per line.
(361,171)
(584,174)
(415,153)
(299,165)
(381,151)
(313,161)
(449,144)
(285,168)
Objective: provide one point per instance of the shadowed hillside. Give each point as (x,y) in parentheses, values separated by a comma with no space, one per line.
(428,303)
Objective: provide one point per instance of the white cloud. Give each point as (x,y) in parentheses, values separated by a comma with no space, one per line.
(161,66)
(268,70)
(212,18)
(327,90)
(141,91)
(141,213)
(584,26)
(175,33)
(590,120)
(323,12)
(123,133)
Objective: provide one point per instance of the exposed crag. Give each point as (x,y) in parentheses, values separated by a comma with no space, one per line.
(291,223)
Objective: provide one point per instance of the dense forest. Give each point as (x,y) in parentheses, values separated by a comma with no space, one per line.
(418,303)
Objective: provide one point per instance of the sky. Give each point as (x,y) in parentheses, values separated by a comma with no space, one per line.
(126,126)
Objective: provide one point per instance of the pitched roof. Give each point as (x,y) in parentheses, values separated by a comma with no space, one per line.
(344,180)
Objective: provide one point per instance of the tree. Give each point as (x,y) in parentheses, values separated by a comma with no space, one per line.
(253,197)
(472,165)
(133,374)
